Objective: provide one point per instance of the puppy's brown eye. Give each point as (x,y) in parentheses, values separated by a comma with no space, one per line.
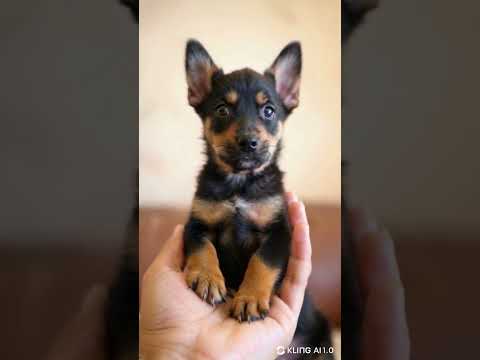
(268,112)
(222,111)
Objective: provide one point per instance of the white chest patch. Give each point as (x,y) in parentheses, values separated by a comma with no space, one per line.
(261,212)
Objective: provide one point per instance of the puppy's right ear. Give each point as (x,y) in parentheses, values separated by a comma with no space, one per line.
(200,68)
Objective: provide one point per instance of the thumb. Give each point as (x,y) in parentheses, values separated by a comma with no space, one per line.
(300,263)
(170,255)
(83,336)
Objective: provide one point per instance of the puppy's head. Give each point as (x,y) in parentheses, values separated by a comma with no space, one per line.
(243,112)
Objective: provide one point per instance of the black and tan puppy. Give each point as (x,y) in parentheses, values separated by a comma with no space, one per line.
(238,236)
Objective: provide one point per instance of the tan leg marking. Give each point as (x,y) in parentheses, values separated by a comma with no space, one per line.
(204,276)
(252,300)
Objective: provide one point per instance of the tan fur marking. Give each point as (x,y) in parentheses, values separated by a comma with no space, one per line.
(259,277)
(262,212)
(218,141)
(264,135)
(271,140)
(205,257)
(231,97)
(253,297)
(261,98)
(203,274)
(212,212)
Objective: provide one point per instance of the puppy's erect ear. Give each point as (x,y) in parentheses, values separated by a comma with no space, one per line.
(200,68)
(286,71)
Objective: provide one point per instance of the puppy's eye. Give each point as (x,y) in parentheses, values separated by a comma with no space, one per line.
(268,112)
(222,111)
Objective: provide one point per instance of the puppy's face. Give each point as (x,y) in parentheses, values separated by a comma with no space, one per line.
(243,112)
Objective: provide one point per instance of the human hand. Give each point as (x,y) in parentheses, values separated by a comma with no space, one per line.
(384,329)
(176,324)
(83,335)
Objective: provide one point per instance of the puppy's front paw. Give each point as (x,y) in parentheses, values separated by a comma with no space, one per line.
(208,283)
(250,305)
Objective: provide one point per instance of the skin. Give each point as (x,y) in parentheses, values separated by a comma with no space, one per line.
(182,326)
(385,327)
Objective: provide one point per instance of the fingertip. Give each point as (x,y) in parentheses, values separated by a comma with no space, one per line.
(363,222)
(290,197)
(178,229)
(96,295)
(298,214)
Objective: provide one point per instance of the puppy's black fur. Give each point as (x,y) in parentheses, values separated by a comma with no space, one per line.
(238,235)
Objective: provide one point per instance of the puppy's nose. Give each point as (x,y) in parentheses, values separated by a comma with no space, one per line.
(248,143)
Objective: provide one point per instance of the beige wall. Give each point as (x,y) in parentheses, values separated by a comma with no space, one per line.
(237,34)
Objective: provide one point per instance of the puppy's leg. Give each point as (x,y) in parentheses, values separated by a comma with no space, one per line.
(202,269)
(265,269)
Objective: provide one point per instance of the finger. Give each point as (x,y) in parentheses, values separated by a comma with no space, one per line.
(82,337)
(299,267)
(170,255)
(362,222)
(385,327)
(297,213)
(375,252)
(290,197)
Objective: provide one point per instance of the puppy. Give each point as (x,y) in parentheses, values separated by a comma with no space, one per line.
(238,236)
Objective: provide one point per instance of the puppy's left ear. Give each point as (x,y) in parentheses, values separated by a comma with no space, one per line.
(286,70)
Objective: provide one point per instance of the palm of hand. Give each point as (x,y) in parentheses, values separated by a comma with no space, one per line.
(176,310)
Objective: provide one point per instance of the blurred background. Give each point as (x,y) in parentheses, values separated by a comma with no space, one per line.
(410,134)
(237,35)
(69,155)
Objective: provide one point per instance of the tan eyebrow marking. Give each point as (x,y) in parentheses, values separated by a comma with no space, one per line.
(261,98)
(231,97)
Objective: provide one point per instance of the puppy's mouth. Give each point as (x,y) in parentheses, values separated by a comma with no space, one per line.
(241,163)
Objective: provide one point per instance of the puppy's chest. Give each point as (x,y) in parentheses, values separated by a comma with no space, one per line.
(259,213)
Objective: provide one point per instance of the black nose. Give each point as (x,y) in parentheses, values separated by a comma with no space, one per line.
(248,144)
